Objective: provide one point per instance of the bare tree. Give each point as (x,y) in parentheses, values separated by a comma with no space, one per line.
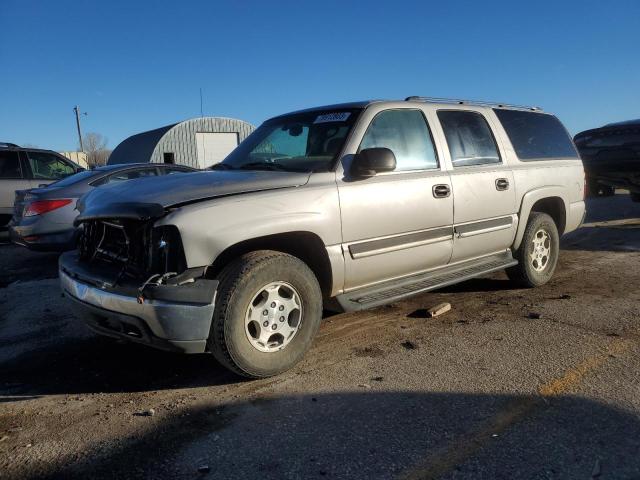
(95,146)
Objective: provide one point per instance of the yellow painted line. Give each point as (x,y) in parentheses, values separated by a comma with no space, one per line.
(464,447)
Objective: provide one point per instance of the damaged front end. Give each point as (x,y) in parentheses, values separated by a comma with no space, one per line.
(130,278)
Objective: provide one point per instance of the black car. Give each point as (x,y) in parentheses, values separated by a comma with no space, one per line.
(611,158)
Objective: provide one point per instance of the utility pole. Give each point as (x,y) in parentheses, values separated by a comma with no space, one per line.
(76,109)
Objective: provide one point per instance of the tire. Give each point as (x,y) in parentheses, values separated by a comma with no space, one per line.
(535,272)
(635,196)
(236,341)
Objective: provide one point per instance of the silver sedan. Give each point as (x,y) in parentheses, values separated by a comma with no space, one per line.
(43,217)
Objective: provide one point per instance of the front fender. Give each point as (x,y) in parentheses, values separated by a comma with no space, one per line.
(209,228)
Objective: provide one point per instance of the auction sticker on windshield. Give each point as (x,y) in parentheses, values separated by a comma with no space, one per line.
(332,117)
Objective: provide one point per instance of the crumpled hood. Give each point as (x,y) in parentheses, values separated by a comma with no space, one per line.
(148,197)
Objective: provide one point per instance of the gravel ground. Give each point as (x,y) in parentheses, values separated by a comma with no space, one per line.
(510,383)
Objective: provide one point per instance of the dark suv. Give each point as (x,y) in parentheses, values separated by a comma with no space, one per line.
(24,168)
(611,157)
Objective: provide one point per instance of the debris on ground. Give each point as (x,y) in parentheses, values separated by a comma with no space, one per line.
(534,315)
(595,473)
(439,309)
(377,379)
(4,438)
(146,413)
(431,312)
(409,345)
(204,469)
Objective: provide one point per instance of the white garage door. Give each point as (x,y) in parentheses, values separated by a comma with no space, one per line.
(214,147)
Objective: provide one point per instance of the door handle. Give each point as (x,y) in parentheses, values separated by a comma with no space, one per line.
(502,184)
(441,191)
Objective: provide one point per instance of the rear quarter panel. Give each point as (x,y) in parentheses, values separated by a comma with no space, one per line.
(540,179)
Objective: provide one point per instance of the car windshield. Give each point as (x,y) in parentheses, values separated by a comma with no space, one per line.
(71,179)
(304,142)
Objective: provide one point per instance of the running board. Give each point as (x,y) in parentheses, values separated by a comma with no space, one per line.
(377,295)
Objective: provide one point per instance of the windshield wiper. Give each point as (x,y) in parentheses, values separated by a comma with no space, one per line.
(263,166)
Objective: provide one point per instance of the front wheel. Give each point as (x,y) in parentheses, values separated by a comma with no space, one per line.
(538,252)
(268,309)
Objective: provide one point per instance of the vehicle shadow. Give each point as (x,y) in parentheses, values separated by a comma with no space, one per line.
(612,224)
(371,435)
(95,364)
(18,265)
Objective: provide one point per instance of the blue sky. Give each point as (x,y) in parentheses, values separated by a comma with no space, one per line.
(137,65)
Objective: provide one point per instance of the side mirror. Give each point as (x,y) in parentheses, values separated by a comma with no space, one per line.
(372,161)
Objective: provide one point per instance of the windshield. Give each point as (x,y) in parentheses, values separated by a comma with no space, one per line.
(71,179)
(303,142)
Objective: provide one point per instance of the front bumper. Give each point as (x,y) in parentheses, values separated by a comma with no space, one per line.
(176,318)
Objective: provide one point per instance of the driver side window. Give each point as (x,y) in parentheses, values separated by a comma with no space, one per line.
(406,134)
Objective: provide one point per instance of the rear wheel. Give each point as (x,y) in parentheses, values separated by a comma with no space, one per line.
(268,309)
(538,252)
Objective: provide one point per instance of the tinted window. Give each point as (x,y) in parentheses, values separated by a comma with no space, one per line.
(49,166)
(70,180)
(129,175)
(171,171)
(406,134)
(536,136)
(9,165)
(469,138)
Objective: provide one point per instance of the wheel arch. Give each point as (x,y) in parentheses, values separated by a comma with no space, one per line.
(550,200)
(306,246)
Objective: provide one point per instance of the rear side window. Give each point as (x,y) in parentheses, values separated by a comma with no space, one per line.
(48,166)
(469,138)
(536,136)
(130,175)
(173,171)
(10,165)
(406,134)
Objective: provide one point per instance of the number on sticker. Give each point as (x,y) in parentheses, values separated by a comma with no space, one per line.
(332,117)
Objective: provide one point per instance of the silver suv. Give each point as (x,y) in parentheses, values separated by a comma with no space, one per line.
(351,206)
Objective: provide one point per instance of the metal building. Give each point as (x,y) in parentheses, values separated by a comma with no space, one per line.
(198,142)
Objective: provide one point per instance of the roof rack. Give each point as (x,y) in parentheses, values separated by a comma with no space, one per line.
(8,145)
(469,102)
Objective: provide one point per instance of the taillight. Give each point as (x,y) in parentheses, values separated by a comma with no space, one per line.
(43,206)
